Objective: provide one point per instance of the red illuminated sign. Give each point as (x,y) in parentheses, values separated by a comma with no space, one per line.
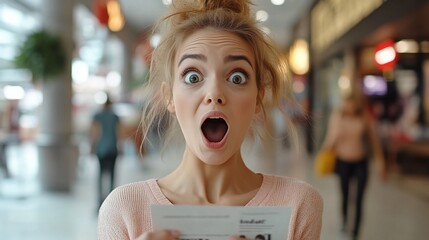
(386,55)
(100,10)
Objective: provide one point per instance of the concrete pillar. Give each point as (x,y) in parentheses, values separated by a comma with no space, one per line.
(57,154)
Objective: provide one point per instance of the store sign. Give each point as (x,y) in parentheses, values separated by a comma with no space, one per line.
(100,10)
(385,55)
(331,19)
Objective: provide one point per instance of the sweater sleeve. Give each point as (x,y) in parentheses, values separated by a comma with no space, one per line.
(125,214)
(309,216)
(111,224)
(305,201)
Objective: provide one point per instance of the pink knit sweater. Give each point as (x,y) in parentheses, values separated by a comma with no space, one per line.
(125,214)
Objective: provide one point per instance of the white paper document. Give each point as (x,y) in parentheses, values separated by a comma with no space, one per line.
(220,222)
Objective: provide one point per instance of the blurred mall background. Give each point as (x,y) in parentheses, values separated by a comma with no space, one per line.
(378,48)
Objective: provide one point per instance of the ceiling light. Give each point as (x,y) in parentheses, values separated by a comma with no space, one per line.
(100,97)
(166,2)
(80,71)
(116,19)
(261,16)
(154,40)
(407,46)
(11,16)
(299,57)
(13,92)
(277,2)
(113,79)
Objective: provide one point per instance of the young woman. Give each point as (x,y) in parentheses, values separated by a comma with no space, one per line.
(214,68)
(352,136)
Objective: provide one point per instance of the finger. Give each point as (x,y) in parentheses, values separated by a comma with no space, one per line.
(174,234)
(237,238)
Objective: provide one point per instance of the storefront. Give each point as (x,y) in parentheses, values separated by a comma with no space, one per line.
(378,49)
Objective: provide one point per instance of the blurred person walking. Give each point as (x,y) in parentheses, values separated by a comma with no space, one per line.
(104,139)
(351,134)
(10,133)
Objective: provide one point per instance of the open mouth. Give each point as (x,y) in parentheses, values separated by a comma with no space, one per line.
(214,129)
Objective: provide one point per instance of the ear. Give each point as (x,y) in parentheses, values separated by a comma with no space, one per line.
(260,100)
(166,94)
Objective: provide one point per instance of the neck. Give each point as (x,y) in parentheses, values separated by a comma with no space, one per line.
(211,184)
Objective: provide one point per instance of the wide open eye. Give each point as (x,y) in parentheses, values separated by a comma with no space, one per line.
(238,78)
(192,77)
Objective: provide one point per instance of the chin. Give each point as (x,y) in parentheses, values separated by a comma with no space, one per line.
(214,160)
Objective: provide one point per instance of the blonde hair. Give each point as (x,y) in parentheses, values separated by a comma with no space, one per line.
(186,17)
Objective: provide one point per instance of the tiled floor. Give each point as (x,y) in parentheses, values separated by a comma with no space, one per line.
(28,213)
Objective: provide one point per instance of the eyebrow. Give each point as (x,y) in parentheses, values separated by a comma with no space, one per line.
(193,56)
(228,58)
(231,58)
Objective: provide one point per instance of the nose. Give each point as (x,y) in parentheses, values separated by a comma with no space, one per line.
(215,100)
(215,94)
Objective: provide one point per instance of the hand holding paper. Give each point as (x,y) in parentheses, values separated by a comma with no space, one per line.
(220,223)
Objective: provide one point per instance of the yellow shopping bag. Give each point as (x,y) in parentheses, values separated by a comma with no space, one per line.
(325,162)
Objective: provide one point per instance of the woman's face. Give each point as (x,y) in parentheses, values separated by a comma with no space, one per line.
(350,107)
(214,95)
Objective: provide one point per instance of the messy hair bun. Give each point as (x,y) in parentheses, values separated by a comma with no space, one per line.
(182,10)
(185,7)
(239,7)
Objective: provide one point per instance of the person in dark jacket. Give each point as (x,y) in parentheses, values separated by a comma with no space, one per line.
(104,138)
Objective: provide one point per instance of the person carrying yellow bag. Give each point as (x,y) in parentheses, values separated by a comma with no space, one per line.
(349,144)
